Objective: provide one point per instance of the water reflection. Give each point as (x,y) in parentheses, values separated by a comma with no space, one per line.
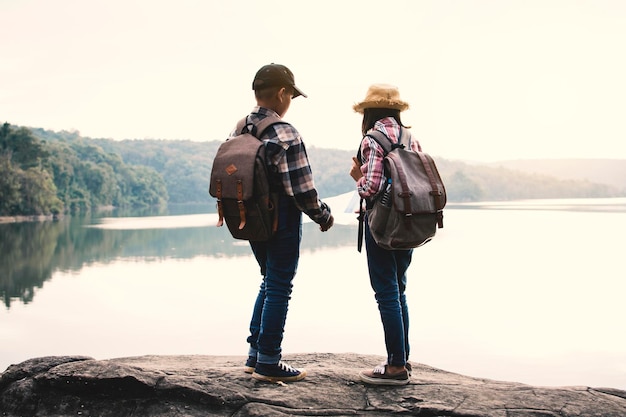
(31,252)
(533,296)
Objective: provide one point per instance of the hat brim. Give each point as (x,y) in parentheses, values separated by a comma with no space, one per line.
(298,92)
(381,104)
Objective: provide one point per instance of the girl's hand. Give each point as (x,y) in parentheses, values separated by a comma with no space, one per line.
(355,171)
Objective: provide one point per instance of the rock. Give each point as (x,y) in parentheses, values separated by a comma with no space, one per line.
(168,386)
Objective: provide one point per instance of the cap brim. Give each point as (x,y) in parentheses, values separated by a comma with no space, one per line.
(298,92)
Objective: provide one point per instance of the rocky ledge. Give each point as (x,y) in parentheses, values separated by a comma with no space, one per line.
(217,385)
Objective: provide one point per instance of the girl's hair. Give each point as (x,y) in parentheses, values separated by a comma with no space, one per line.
(372,115)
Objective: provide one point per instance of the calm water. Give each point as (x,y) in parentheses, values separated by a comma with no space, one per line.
(530,292)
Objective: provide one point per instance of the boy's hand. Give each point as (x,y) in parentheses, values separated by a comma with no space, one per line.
(329,223)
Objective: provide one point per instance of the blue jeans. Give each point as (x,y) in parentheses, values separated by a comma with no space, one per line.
(278,260)
(387,269)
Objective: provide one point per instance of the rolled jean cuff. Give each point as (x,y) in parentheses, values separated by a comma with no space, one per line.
(253,352)
(268,359)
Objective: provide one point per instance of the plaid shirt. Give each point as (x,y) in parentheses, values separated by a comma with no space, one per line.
(372,155)
(285,150)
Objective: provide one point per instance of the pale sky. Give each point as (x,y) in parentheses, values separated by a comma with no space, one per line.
(486,79)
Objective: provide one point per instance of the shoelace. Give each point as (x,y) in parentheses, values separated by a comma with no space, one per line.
(380,369)
(287,368)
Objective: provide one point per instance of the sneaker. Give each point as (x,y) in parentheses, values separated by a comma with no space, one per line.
(277,372)
(409,368)
(380,376)
(250,365)
(407,365)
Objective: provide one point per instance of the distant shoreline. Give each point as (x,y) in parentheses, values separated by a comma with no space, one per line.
(37,218)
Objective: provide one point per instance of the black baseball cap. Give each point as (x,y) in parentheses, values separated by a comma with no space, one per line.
(275,75)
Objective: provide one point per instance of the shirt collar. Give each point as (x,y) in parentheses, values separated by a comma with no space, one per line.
(264,111)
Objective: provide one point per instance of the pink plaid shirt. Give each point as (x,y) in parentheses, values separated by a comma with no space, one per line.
(372,155)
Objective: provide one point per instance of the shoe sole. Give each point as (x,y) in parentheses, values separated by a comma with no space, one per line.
(267,378)
(248,369)
(383,381)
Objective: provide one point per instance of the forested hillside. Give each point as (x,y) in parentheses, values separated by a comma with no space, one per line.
(605,171)
(43,172)
(474,182)
(68,175)
(186,169)
(186,166)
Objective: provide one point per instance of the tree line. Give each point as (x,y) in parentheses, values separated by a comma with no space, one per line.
(186,169)
(68,175)
(46,172)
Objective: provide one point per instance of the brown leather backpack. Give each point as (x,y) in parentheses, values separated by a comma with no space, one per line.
(240,183)
(408,212)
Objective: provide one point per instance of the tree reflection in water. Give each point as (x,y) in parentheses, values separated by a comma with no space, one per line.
(31,252)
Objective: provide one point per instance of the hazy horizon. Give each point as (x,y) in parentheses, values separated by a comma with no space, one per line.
(486,80)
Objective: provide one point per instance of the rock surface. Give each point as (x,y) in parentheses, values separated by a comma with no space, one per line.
(168,386)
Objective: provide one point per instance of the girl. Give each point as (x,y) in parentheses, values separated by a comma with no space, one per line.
(387,268)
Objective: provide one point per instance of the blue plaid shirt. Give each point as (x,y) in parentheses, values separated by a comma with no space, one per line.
(285,150)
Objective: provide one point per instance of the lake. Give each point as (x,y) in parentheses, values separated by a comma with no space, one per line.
(528,291)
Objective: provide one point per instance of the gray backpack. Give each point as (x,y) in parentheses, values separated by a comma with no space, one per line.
(407,213)
(241,185)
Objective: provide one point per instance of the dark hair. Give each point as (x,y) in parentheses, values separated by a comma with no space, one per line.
(372,115)
(268,92)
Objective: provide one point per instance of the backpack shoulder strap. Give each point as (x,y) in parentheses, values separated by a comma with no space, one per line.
(241,124)
(262,126)
(386,143)
(382,140)
(405,138)
(257,130)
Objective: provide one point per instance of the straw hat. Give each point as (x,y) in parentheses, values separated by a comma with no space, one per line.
(381,96)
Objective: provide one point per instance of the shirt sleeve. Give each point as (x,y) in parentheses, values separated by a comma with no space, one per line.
(373,179)
(288,153)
